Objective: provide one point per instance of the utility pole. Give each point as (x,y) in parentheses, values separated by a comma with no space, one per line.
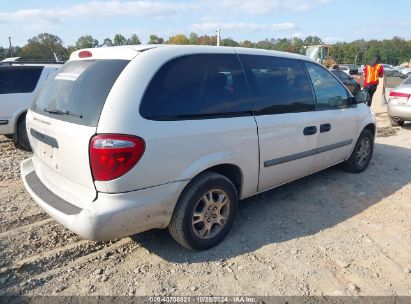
(218,37)
(10,48)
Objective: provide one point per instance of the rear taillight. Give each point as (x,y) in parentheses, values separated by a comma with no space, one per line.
(399,96)
(112,155)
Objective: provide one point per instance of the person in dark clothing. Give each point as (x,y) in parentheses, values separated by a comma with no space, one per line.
(372,72)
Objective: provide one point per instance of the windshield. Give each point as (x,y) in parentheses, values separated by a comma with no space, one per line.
(77,92)
(312,52)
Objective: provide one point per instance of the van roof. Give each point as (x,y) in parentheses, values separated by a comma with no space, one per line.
(128,52)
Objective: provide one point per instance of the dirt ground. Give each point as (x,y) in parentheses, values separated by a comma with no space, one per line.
(332,233)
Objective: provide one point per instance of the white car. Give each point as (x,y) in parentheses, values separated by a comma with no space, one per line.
(399,103)
(19,84)
(345,69)
(406,71)
(128,139)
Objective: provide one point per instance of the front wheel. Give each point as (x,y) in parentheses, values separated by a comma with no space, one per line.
(205,212)
(362,153)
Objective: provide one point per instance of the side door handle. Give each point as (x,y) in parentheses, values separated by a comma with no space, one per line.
(311,130)
(325,128)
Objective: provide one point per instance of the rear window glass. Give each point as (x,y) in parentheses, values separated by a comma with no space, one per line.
(408,80)
(19,79)
(195,87)
(77,92)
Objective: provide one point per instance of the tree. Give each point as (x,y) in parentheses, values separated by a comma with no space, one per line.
(43,47)
(178,39)
(85,42)
(119,40)
(193,38)
(298,45)
(264,44)
(107,42)
(207,40)
(313,40)
(133,40)
(282,44)
(154,39)
(246,44)
(3,53)
(228,42)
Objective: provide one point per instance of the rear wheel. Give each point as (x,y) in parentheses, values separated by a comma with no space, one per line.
(22,140)
(205,212)
(396,123)
(362,153)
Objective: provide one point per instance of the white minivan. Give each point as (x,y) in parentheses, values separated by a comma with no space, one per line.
(128,139)
(19,83)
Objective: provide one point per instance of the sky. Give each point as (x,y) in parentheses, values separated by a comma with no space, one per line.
(331,20)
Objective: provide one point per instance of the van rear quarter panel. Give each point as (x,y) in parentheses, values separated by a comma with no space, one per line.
(175,150)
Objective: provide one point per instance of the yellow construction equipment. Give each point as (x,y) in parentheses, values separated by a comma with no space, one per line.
(321,53)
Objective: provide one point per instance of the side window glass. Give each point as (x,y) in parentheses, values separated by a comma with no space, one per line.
(197,86)
(19,79)
(278,85)
(329,92)
(341,75)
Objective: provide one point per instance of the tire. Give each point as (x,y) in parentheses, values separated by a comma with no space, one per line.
(204,196)
(22,140)
(362,153)
(396,123)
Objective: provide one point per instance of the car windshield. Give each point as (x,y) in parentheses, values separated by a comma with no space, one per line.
(77,92)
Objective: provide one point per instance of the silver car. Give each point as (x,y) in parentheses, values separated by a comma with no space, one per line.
(127,139)
(399,103)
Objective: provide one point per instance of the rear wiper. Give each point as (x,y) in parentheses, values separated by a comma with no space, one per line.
(60,112)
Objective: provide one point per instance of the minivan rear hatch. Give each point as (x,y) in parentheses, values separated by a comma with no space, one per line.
(62,121)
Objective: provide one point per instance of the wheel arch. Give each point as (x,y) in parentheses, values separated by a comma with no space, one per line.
(21,114)
(371,127)
(229,170)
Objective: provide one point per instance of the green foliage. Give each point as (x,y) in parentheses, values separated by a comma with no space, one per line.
(154,39)
(394,51)
(119,40)
(193,38)
(43,47)
(85,42)
(133,40)
(107,42)
(3,53)
(228,42)
(313,40)
(178,39)
(247,44)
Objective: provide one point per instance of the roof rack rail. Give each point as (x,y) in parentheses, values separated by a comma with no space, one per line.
(25,61)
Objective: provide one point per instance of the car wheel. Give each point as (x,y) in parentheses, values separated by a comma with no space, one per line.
(396,123)
(22,140)
(205,212)
(362,153)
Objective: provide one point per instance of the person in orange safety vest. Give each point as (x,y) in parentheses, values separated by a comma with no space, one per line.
(372,72)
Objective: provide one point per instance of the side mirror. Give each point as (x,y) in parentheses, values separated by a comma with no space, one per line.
(362,97)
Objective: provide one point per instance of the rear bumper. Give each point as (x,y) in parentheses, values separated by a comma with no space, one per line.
(403,112)
(110,216)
